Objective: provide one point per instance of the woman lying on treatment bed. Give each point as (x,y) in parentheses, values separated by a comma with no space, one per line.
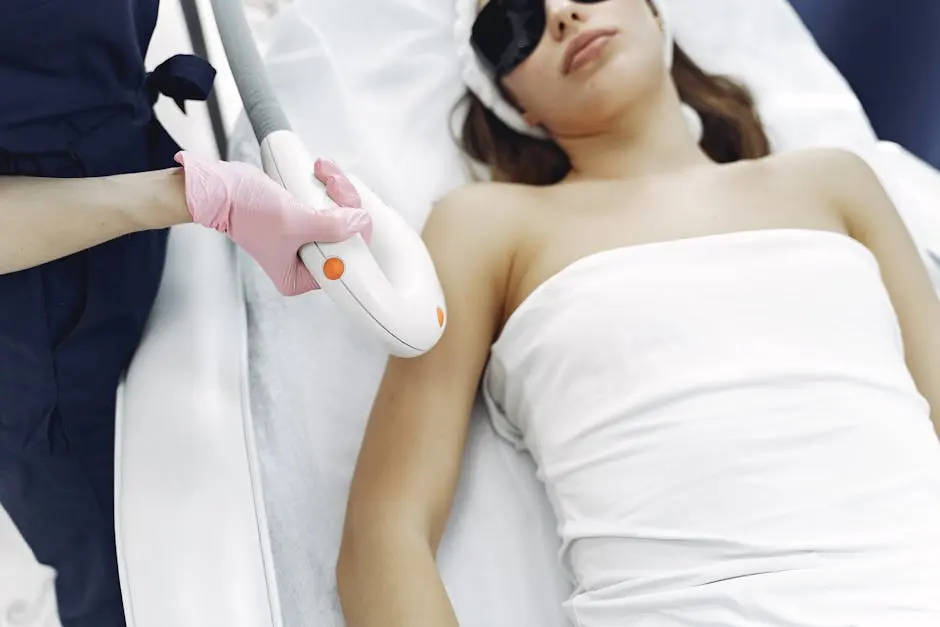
(720,360)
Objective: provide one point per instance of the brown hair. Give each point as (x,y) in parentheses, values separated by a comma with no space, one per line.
(731,129)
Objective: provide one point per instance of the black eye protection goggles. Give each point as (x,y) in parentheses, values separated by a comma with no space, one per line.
(506,32)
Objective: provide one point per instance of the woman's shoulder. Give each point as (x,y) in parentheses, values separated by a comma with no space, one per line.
(476,230)
(492,211)
(506,199)
(833,170)
(843,177)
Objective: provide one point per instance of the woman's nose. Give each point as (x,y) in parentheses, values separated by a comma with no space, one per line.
(563,16)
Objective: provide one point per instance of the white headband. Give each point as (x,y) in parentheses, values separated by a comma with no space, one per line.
(476,78)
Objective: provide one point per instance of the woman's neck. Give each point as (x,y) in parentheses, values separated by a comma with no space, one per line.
(662,143)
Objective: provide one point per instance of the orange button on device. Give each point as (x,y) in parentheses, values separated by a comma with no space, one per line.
(440,316)
(333,268)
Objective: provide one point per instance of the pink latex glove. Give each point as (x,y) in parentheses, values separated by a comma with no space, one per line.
(266,220)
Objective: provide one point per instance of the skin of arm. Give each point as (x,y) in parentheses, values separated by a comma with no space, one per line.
(409,464)
(873,220)
(43,219)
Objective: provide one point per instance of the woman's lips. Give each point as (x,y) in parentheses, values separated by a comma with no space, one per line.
(585,48)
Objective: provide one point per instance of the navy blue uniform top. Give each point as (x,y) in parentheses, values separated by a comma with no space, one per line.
(62,58)
(76,101)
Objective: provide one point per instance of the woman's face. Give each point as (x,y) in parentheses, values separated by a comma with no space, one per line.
(593,60)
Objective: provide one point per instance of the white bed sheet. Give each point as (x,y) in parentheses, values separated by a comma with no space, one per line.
(371,85)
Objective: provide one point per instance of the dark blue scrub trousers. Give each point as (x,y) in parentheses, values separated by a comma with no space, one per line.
(76,101)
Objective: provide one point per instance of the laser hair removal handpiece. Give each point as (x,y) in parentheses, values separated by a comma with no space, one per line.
(390,287)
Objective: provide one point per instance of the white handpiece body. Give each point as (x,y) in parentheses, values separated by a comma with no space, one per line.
(389,287)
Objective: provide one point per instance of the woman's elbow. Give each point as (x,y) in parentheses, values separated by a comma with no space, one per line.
(356,567)
(372,535)
(356,551)
(345,570)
